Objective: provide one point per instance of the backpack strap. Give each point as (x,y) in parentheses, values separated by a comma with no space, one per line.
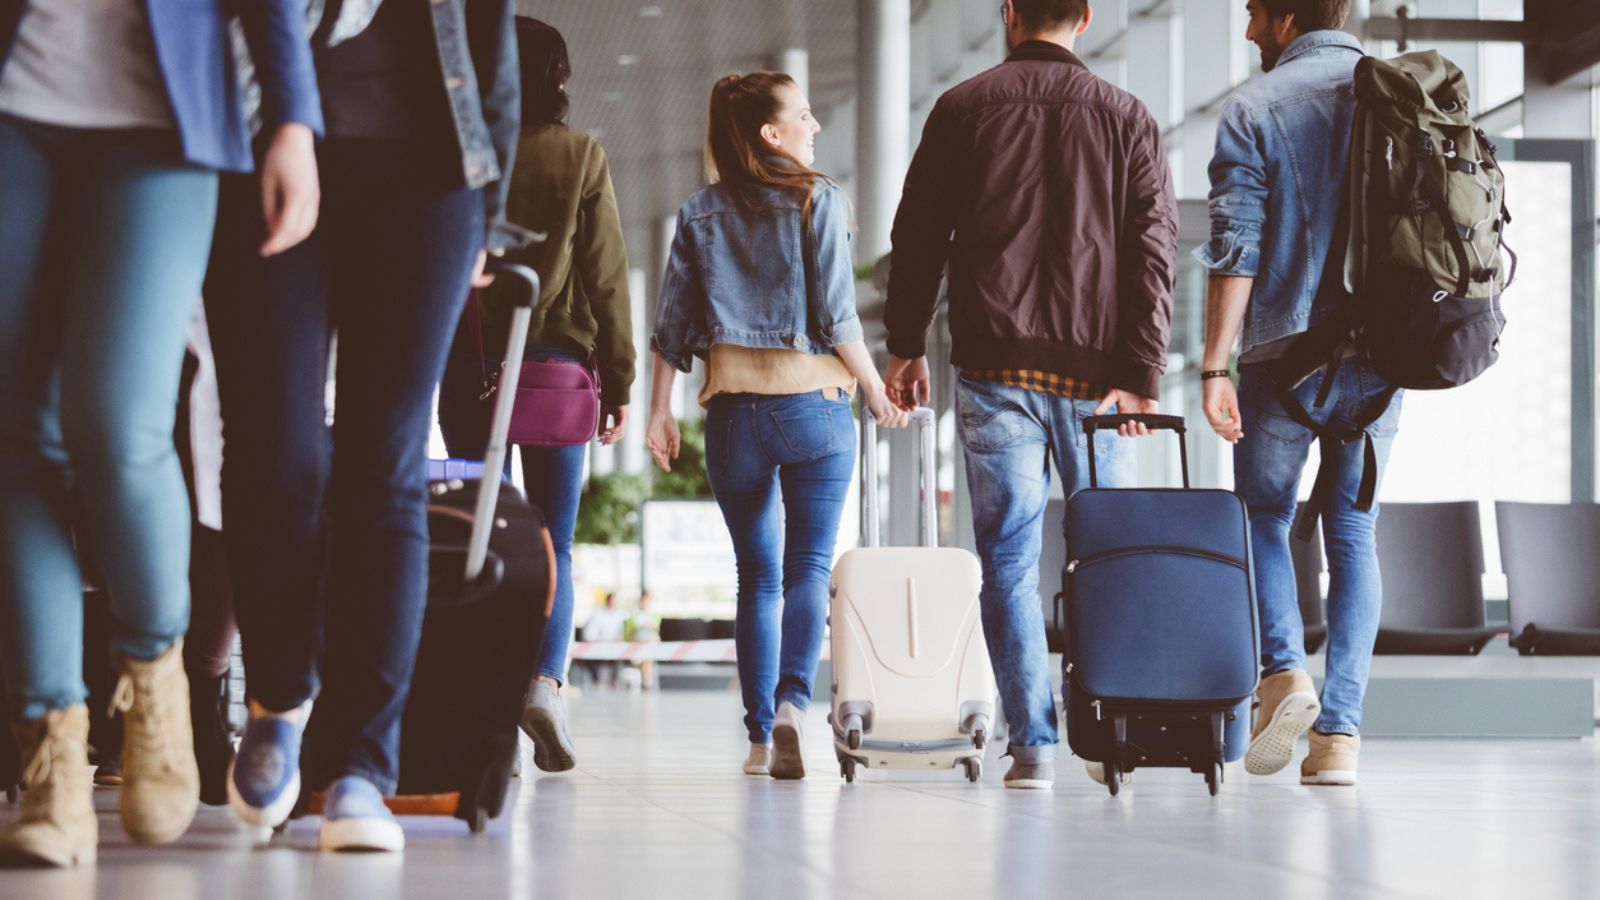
(1426,190)
(1361,428)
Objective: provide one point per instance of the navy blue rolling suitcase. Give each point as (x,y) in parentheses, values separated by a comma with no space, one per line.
(1162,644)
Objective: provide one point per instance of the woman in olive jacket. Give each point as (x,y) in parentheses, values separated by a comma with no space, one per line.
(560,188)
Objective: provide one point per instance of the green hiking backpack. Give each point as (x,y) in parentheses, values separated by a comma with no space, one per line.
(1423,260)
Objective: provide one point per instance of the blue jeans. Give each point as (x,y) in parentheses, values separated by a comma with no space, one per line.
(103,243)
(805,446)
(1266,470)
(1010,436)
(553,477)
(327,534)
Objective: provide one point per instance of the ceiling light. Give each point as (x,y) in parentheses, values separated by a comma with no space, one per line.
(627,59)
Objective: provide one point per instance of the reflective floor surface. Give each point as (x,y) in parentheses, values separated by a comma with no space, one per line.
(658,809)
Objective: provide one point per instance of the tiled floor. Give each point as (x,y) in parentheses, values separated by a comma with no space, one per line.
(658,810)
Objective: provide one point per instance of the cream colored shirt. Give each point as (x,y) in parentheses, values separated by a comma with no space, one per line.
(732,369)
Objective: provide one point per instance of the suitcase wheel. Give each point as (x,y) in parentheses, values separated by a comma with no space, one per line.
(980,739)
(973,765)
(1214,778)
(1113,778)
(478,820)
(13,794)
(847,769)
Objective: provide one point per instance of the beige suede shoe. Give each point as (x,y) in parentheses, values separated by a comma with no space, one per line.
(57,825)
(1286,706)
(161,786)
(1332,760)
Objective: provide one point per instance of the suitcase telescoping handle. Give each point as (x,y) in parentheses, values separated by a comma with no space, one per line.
(922,419)
(524,283)
(1148,420)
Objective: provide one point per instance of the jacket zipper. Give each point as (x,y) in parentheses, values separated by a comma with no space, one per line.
(1103,555)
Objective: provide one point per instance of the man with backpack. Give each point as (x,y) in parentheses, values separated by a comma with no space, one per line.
(1357,234)
(1278,178)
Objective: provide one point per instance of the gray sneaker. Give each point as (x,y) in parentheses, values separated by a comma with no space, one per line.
(545,722)
(1039,776)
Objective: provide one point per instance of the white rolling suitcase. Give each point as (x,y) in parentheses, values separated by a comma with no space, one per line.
(912,683)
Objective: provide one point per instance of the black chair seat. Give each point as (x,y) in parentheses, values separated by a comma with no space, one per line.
(1316,636)
(1535,641)
(1435,641)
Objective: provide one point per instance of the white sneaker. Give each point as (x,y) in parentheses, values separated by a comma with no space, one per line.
(759,760)
(787,761)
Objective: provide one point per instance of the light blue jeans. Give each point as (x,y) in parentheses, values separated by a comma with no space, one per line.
(1267,466)
(103,243)
(801,447)
(1010,436)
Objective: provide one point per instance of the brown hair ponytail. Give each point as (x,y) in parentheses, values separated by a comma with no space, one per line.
(736,154)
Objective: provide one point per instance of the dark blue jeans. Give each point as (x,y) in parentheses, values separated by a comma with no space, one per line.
(327,531)
(803,445)
(103,242)
(553,477)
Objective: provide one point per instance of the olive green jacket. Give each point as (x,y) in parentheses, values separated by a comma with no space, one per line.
(561,187)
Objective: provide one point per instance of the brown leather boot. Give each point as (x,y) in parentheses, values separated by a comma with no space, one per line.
(57,826)
(161,783)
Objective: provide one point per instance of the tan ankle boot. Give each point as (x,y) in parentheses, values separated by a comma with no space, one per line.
(161,783)
(57,826)
(1332,760)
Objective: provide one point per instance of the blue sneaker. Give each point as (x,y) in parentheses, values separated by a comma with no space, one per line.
(264,778)
(354,818)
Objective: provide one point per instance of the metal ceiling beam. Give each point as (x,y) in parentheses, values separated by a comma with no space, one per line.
(1404,29)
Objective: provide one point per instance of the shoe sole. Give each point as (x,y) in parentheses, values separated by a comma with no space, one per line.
(12,858)
(1331,778)
(1097,774)
(273,814)
(757,770)
(361,835)
(1029,784)
(787,762)
(549,752)
(1274,747)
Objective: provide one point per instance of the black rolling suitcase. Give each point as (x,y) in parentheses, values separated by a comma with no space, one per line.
(1162,643)
(491,583)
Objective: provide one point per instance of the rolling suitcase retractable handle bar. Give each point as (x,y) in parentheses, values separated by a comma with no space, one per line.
(922,418)
(526,293)
(1148,420)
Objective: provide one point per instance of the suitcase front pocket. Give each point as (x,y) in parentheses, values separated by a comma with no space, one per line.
(1162,623)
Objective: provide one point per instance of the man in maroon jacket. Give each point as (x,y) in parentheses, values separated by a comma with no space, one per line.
(1047,193)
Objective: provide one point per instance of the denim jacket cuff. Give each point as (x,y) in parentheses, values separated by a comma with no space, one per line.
(503,236)
(1227,255)
(675,358)
(843,332)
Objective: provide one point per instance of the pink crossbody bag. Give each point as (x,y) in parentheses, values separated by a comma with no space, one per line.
(557,402)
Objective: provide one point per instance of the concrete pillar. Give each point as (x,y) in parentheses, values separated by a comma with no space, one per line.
(634,456)
(883,61)
(796,63)
(1207,79)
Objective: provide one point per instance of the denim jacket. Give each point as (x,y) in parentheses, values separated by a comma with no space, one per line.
(1283,146)
(748,277)
(478,57)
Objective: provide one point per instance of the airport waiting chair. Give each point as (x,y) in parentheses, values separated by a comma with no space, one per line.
(1307,557)
(1431,558)
(1551,557)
